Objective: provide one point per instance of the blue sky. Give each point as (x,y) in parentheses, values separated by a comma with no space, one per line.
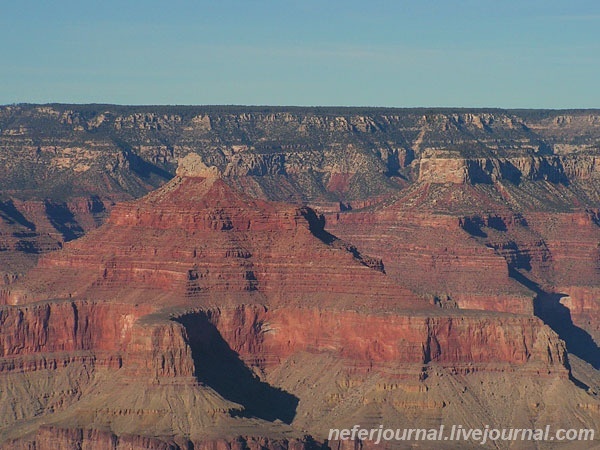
(522,54)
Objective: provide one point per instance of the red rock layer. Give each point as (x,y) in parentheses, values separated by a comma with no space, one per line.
(30,228)
(368,340)
(50,335)
(52,438)
(433,254)
(197,243)
(572,240)
(154,346)
(583,303)
(198,266)
(197,237)
(557,252)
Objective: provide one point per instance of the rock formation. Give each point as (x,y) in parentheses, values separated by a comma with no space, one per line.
(425,284)
(198,286)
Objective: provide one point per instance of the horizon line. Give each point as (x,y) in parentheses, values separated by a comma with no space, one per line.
(274,106)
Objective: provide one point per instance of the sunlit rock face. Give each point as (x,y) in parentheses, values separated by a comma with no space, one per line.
(206,315)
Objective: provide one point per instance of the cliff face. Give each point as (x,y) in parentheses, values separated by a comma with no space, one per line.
(29,228)
(490,247)
(421,286)
(437,166)
(344,154)
(51,438)
(197,237)
(375,341)
(67,165)
(203,295)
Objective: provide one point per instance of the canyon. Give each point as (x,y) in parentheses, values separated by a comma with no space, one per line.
(229,277)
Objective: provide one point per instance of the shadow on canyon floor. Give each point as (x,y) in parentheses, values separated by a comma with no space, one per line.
(63,220)
(557,316)
(221,368)
(9,213)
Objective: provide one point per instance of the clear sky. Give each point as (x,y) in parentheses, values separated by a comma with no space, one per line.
(496,53)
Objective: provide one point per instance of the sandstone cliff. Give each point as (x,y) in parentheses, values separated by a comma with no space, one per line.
(64,156)
(203,295)
(205,315)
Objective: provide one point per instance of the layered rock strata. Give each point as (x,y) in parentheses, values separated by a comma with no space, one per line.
(214,303)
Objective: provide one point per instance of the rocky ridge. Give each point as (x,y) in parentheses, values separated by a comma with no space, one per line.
(211,290)
(64,156)
(444,235)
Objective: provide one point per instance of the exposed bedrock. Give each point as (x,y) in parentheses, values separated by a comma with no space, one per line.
(198,309)
(30,228)
(414,246)
(198,239)
(231,352)
(52,438)
(439,166)
(154,345)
